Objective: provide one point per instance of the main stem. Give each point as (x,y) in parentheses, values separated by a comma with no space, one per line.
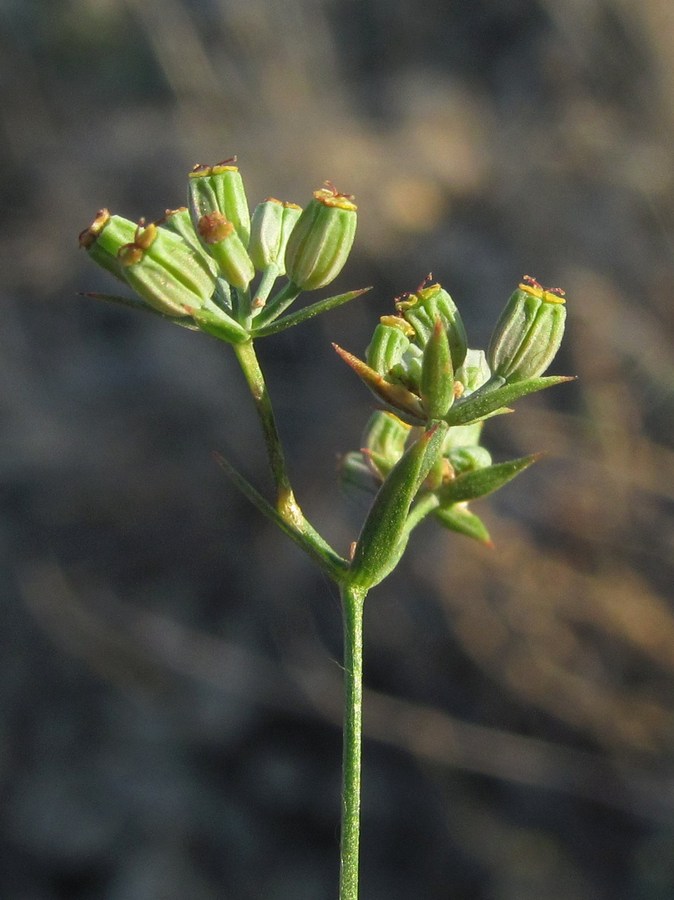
(352,610)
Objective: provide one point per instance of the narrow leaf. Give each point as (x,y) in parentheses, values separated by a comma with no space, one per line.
(481,482)
(396,396)
(484,402)
(437,374)
(308,312)
(331,563)
(384,535)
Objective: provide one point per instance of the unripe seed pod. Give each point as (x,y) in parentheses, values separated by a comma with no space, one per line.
(270,228)
(188,263)
(103,239)
(457,517)
(462,436)
(467,459)
(357,475)
(528,333)
(389,342)
(179,221)
(385,436)
(474,372)
(321,240)
(221,240)
(423,308)
(220,189)
(408,370)
(165,271)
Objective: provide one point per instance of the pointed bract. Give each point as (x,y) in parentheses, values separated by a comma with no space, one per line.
(480,482)
(403,402)
(459,518)
(437,374)
(492,397)
(383,537)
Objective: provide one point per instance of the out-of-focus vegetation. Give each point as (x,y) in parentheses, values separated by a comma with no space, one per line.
(169,725)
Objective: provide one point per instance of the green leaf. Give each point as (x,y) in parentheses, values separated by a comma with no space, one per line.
(487,401)
(308,312)
(384,535)
(460,519)
(481,482)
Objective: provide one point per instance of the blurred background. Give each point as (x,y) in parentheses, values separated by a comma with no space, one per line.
(169,664)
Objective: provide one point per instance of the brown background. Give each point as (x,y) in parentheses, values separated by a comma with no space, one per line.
(169,685)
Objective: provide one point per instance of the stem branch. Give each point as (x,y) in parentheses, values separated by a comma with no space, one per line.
(286,504)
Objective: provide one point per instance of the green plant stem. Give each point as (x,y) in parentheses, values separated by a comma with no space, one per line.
(352,610)
(286,504)
(278,303)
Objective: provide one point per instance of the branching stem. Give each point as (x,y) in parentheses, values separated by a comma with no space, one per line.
(286,504)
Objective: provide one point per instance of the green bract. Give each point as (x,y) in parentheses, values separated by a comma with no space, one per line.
(395,396)
(437,375)
(384,535)
(528,333)
(321,240)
